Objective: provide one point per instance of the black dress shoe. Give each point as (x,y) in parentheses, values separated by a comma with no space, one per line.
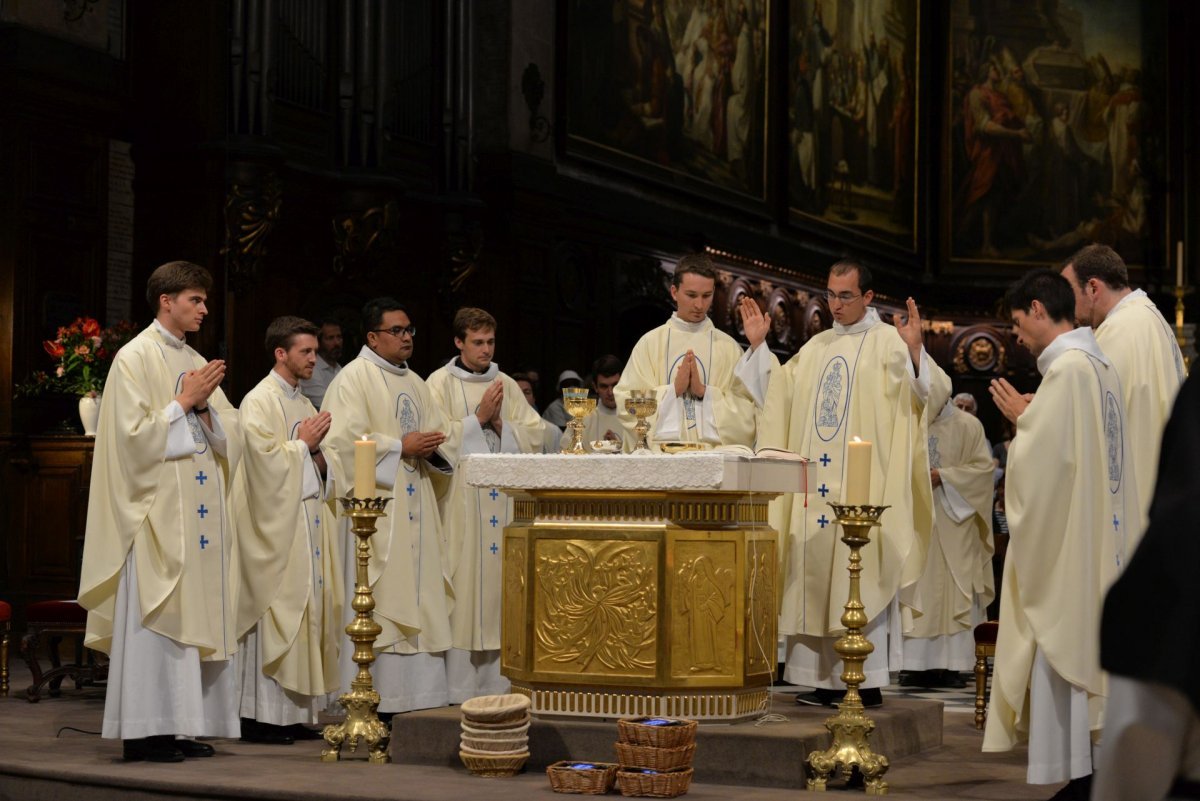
(871,697)
(192,749)
(266,733)
(151,749)
(951,679)
(820,697)
(301,732)
(1075,790)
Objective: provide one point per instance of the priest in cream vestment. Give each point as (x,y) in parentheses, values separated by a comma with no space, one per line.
(707,389)
(1071,502)
(156,553)
(957,584)
(861,379)
(488,414)
(376,396)
(1133,334)
(289,574)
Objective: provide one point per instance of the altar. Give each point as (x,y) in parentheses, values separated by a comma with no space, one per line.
(639,584)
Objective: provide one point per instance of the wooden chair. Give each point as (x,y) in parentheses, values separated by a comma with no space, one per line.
(55,621)
(5,629)
(985,651)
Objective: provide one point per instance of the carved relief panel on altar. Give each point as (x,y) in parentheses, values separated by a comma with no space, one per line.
(705,633)
(595,607)
(516,599)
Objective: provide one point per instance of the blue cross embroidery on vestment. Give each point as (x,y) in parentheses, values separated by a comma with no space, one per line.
(317,520)
(493,521)
(317,552)
(825,460)
(410,516)
(202,511)
(494,494)
(1116,523)
(822,521)
(410,489)
(824,490)
(493,549)
(204,541)
(201,477)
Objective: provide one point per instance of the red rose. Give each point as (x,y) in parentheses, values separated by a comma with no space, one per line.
(54,349)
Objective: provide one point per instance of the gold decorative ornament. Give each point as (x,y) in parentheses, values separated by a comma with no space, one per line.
(850,727)
(641,403)
(579,405)
(362,723)
(1180,293)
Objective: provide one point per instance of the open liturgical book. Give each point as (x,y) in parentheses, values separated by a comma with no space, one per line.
(762,453)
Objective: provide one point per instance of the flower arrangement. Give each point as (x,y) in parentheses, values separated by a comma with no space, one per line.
(83,352)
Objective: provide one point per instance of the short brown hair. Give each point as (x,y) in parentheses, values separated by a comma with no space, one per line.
(472,319)
(174,277)
(845,266)
(1100,262)
(282,332)
(697,264)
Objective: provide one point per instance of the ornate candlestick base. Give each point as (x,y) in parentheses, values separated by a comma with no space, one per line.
(850,727)
(362,724)
(641,403)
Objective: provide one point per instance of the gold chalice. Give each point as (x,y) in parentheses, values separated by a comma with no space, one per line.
(641,403)
(578,405)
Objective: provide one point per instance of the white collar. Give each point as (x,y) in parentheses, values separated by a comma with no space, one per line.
(291,392)
(683,325)
(1080,339)
(1137,293)
(868,321)
(466,375)
(168,337)
(382,363)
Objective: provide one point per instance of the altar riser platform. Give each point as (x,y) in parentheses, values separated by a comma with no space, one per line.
(771,755)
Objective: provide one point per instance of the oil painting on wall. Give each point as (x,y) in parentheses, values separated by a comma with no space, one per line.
(852,115)
(671,90)
(1051,143)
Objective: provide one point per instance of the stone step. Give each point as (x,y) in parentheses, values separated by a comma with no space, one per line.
(768,755)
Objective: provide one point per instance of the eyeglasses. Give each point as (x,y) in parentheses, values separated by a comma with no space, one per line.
(841,297)
(397,330)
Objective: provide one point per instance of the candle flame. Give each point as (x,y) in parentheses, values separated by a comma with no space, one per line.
(363,438)
(856,439)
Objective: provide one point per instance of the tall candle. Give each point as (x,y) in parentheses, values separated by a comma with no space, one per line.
(1179,263)
(364,468)
(858,473)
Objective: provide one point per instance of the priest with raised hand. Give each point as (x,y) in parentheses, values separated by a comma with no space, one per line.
(707,388)
(488,414)
(157,545)
(377,397)
(957,584)
(873,381)
(287,562)
(1133,334)
(1071,500)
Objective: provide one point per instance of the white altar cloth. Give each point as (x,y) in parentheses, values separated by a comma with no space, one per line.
(705,470)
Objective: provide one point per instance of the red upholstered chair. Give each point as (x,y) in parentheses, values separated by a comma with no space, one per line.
(985,649)
(55,621)
(5,628)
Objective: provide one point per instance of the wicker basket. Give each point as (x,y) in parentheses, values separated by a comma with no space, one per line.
(514,746)
(494,766)
(496,708)
(647,756)
(637,732)
(654,785)
(494,734)
(596,781)
(497,725)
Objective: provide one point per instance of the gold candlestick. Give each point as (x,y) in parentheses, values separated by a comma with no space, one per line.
(641,403)
(579,405)
(1180,293)
(850,727)
(362,724)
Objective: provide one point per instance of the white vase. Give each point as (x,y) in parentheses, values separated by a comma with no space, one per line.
(89,414)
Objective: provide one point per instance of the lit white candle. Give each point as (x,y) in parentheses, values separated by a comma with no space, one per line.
(364,468)
(858,473)
(1179,263)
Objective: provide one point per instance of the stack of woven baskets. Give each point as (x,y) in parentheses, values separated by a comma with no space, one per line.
(656,756)
(495,734)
